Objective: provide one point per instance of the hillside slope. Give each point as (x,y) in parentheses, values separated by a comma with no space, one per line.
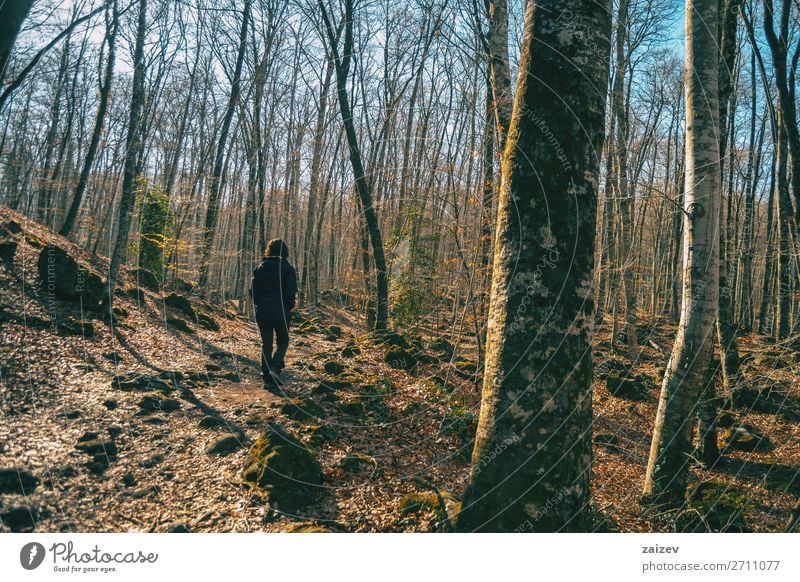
(145,423)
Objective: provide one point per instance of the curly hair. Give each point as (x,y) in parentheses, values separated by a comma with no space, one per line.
(277,248)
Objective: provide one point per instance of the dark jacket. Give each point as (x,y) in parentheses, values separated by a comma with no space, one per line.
(274,289)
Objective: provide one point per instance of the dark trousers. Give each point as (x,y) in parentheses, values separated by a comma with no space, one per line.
(273,362)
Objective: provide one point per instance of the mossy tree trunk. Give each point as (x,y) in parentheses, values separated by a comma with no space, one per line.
(532,458)
(671,447)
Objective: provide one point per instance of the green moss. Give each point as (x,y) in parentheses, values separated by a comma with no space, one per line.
(333,367)
(716,506)
(182,304)
(400,358)
(157,401)
(285,468)
(422,502)
(462,422)
(356,462)
(301,408)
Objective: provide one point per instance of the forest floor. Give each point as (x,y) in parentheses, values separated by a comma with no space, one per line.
(180,405)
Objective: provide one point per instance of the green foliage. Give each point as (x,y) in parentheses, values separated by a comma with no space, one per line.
(155,217)
(412,291)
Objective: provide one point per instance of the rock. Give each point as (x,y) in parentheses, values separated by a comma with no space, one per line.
(135,293)
(179,324)
(333,367)
(16,480)
(172,376)
(225,444)
(285,468)
(129,479)
(12,227)
(335,331)
(146,278)
(211,422)
(111,404)
(443,348)
(115,430)
(627,386)
(70,413)
(97,446)
(400,358)
(392,338)
(213,367)
(88,436)
(419,502)
(20,519)
(36,242)
(156,401)
(232,377)
(321,433)
(467,369)
(61,274)
(77,327)
(207,322)
(140,382)
(356,462)
(154,419)
(350,349)
(178,528)
(182,304)
(301,408)
(151,462)
(748,438)
(8,248)
(352,405)
(718,507)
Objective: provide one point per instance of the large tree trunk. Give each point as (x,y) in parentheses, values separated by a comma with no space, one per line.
(667,467)
(532,459)
(134,144)
(12,15)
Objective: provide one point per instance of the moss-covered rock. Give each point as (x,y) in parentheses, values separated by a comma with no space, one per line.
(714,507)
(352,405)
(460,421)
(77,327)
(350,349)
(422,502)
(146,278)
(400,358)
(179,324)
(225,444)
(141,382)
(467,369)
(181,303)
(321,433)
(36,242)
(356,462)
(747,438)
(333,367)
(301,408)
(62,275)
(627,386)
(442,348)
(280,464)
(207,322)
(8,248)
(157,402)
